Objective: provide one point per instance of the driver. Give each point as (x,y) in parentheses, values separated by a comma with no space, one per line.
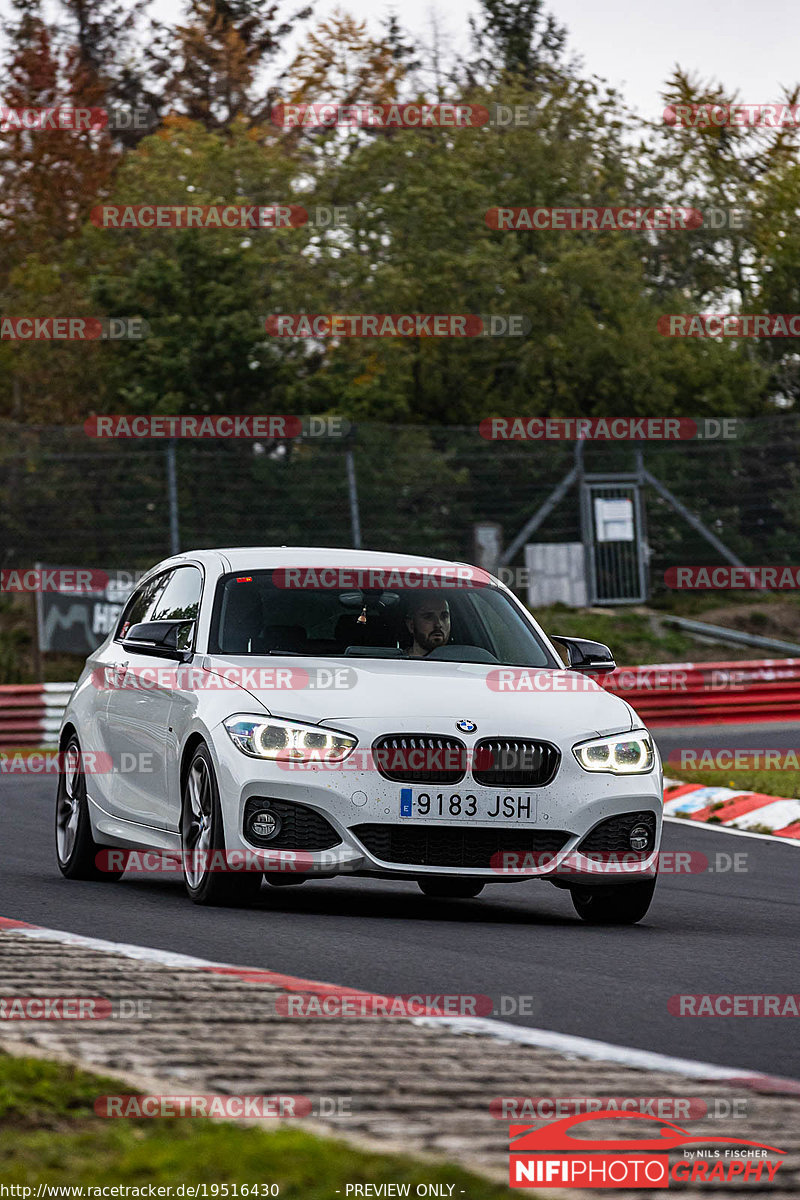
(428,622)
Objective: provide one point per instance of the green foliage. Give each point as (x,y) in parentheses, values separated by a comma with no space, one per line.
(416,238)
(50,1134)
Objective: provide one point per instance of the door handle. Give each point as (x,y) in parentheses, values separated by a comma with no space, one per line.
(118,672)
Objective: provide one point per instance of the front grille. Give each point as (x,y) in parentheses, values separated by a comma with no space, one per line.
(432,846)
(301,828)
(515,762)
(420,758)
(613,835)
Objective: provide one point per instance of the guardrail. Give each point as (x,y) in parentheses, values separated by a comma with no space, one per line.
(710,692)
(30,714)
(662,694)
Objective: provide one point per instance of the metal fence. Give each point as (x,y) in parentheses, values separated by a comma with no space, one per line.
(67,498)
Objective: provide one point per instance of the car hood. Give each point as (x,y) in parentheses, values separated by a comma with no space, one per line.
(408,694)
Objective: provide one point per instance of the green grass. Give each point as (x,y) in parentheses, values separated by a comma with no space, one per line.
(50,1134)
(632,637)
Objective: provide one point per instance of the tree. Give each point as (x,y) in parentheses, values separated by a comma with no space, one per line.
(744,179)
(49,176)
(213,63)
(419,242)
(204,293)
(100,40)
(50,179)
(514,38)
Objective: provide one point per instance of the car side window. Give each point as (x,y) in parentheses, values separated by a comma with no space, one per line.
(180,601)
(141,603)
(502,623)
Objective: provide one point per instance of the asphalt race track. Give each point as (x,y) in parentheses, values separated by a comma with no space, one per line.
(719,931)
(761,735)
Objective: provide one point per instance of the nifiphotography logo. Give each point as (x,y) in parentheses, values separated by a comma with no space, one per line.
(551,1156)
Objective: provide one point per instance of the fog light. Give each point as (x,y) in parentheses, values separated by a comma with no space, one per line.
(639,837)
(265,824)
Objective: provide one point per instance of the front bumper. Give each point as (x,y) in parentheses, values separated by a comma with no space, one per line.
(562,814)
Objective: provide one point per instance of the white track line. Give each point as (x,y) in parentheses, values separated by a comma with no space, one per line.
(581,1047)
(561,1043)
(763,837)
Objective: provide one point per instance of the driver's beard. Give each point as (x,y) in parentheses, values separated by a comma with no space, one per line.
(429,644)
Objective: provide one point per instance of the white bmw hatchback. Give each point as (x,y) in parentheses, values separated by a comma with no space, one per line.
(286,714)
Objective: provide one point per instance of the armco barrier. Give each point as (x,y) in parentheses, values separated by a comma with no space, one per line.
(663,694)
(30,714)
(712,692)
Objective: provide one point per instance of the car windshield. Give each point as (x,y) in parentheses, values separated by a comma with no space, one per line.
(258,613)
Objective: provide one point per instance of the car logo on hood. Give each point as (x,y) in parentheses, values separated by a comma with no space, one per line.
(466,726)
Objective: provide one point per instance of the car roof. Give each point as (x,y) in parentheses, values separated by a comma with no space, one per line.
(237,558)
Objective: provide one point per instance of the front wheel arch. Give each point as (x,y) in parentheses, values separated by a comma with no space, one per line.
(67,733)
(192,742)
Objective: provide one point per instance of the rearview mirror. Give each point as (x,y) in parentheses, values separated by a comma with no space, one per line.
(583,655)
(351,599)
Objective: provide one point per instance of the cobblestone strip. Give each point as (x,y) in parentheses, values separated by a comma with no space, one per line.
(416,1086)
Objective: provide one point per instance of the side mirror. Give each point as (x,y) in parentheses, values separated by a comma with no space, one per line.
(583,655)
(159,638)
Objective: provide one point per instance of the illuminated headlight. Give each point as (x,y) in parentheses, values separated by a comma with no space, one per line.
(270,737)
(626,754)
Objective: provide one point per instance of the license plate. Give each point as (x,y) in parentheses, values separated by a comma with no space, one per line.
(477,805)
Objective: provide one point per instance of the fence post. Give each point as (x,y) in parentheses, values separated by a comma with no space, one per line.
(355,516)
(172,494)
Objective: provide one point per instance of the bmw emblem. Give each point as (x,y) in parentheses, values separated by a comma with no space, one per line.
(466,726)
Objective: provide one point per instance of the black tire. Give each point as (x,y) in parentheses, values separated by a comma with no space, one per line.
(450,889)
(202,834)
(76,849)
(622,904)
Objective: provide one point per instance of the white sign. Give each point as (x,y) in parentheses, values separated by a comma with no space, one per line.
(613,520)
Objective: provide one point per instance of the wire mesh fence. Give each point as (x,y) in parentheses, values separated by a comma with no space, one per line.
(68,498)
